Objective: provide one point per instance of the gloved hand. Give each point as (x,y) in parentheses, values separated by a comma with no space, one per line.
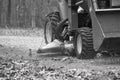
(80,10)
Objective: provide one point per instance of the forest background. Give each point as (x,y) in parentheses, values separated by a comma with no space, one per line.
(25,13)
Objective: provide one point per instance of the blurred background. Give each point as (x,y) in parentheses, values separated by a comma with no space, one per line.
(24,14)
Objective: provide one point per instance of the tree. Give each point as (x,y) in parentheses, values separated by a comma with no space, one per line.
(8,12)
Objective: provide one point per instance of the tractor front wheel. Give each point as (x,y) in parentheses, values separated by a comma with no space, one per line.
(84,43)
(48,32)
(50,26)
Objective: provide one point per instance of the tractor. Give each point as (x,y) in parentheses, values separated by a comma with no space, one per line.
(91,25)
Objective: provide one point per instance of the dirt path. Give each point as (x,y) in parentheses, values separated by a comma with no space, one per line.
(25,47)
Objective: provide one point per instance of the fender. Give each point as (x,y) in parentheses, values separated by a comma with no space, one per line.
(54,15)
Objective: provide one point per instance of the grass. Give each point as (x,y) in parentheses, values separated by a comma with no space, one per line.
(22,32)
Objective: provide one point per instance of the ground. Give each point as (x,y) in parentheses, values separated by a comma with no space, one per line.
(22,51)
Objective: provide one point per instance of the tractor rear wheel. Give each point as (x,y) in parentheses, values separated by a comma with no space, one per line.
(84,43)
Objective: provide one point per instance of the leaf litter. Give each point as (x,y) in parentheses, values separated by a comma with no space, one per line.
(32,70)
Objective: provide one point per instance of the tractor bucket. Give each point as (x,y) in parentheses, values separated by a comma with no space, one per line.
(56,46)
(106,28)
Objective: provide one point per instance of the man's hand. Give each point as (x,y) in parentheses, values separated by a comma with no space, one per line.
(80,10)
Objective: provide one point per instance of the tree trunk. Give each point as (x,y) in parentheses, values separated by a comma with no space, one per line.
(9,13)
